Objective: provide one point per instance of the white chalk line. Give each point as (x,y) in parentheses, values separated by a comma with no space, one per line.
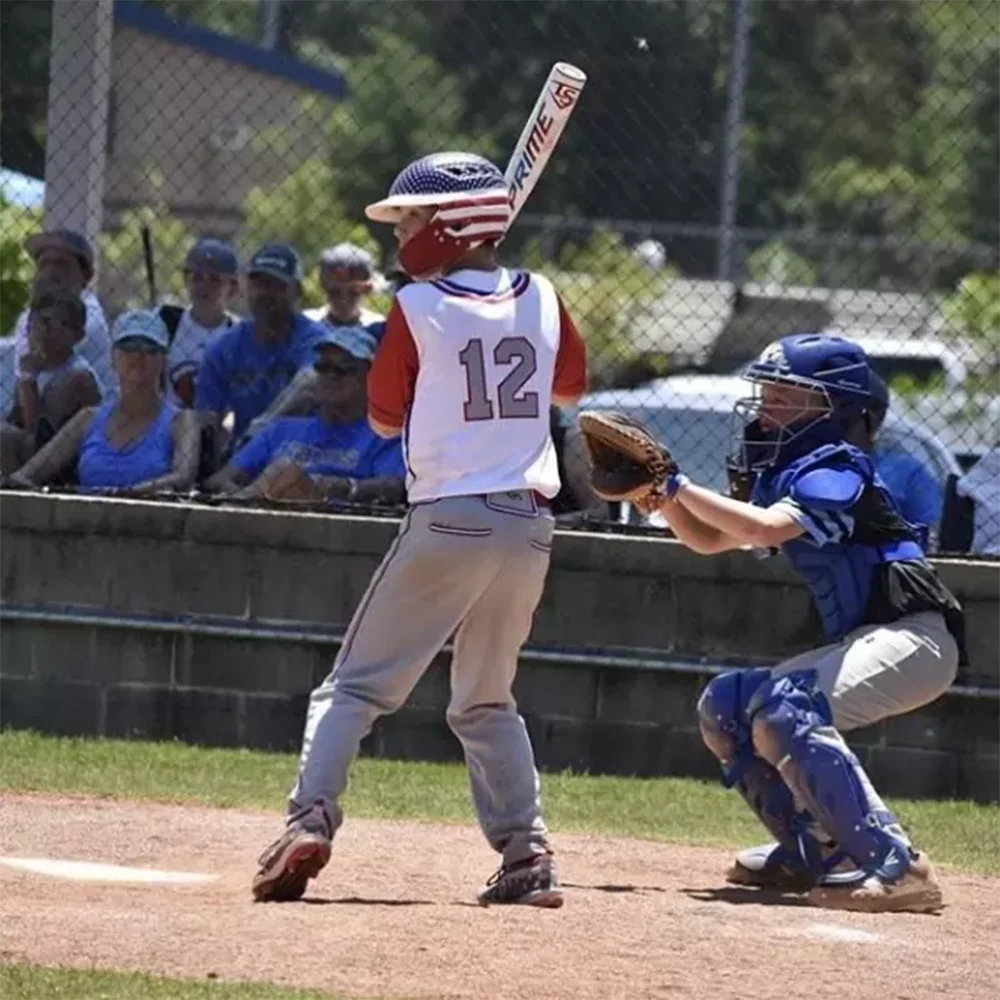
(93,871)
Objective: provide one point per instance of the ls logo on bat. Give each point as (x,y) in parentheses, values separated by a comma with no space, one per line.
(564,95)
(534,145)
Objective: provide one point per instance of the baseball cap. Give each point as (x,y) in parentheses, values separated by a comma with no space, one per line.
(63,239)
(278,260)
(358,341)
(141,324)
(214,255)
(348,262)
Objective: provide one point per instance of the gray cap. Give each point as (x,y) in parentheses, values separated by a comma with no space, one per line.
(63,239)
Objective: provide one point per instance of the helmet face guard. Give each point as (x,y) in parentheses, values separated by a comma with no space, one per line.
(759,445)
(831,377)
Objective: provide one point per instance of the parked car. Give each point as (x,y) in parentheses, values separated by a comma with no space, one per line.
(693,414)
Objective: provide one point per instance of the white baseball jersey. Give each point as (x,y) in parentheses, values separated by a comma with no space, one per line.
(468,369)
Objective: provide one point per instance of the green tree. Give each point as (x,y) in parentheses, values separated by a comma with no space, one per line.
(973,310)
(16,270)
(402,105)
(123,268)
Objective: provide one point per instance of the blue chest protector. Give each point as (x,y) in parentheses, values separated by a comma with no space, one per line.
(853,527)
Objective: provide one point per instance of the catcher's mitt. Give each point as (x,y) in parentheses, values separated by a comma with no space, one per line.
(627,462)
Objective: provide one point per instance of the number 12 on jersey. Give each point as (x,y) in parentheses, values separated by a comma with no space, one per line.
(512,402)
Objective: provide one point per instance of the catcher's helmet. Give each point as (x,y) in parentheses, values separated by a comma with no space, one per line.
(834,369)
(471,197)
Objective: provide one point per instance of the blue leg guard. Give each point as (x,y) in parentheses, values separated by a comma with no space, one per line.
(791,728)
(722,711)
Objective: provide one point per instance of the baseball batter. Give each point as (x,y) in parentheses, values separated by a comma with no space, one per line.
(895,633)
(473,356)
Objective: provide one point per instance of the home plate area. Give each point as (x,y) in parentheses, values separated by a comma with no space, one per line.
(166,889)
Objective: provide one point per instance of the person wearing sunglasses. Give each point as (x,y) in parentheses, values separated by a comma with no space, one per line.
(136,441)
(332,455)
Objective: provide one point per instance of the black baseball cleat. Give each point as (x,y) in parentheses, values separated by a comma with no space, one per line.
(298,855)
(532,882)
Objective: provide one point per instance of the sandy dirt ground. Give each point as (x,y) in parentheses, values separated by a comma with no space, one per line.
(394,915)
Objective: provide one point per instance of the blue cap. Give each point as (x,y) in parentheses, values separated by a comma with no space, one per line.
(141,324)
(278,260)
(215,255)
(358,341)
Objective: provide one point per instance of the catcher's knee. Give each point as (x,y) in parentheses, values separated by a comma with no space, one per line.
(722,712)
(782,713)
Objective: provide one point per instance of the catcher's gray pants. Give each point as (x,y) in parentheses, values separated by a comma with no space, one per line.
(476,564)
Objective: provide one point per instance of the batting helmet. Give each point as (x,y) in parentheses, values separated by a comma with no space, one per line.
(470,195)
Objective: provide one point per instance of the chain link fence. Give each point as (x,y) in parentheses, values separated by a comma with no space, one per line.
(735,171)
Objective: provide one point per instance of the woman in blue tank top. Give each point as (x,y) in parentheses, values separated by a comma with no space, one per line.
(136,440)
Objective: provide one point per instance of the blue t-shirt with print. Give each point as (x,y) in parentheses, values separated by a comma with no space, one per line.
(240,374)
(919,495)
(322,449)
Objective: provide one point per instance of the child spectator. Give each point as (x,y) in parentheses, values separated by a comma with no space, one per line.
(333,455)
(54,383)
(136,441)
(211,278)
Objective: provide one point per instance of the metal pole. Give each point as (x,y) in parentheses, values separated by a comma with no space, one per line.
(76,144)
(742,22)
(271,23)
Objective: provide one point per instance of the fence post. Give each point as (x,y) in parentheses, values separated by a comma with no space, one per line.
(79,86)
(739,65)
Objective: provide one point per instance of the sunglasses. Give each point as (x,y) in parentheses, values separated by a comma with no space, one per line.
(336,368)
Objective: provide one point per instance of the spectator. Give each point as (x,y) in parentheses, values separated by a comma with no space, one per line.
(576,499)
(919,495)
(347,274)
(333,455)
(55,381)
(211,279)
(135,441)
(246,367)
(64,258)
(970,521)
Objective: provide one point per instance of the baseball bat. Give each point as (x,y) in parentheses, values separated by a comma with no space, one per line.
(541,132)
(147,251)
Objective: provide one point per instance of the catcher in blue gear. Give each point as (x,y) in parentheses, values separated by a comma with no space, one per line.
(894,633)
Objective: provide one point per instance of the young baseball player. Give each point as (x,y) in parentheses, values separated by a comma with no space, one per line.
(894,632)
(473,356)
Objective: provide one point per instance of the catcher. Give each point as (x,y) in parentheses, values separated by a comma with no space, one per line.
(894,632)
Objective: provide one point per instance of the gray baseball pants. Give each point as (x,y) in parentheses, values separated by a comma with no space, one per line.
(475,567)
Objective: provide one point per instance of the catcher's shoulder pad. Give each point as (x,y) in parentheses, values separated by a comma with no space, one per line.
(833,489)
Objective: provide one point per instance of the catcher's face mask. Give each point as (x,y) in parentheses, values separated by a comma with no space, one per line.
(781,410)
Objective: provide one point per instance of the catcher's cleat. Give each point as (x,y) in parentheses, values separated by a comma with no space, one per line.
(298,855)
(916,891)
(771,867)
(527,883)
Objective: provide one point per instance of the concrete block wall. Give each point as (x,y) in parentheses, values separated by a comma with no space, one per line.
(133,619)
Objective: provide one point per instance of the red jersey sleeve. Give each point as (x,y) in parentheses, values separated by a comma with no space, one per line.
(393,373)
(571,360)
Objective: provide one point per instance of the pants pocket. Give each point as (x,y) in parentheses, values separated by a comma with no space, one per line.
(459,530)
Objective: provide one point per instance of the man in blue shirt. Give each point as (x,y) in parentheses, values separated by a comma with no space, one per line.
(918,494)
(333,455)
(247,366)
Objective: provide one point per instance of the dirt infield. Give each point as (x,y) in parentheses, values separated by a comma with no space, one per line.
(394,916)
